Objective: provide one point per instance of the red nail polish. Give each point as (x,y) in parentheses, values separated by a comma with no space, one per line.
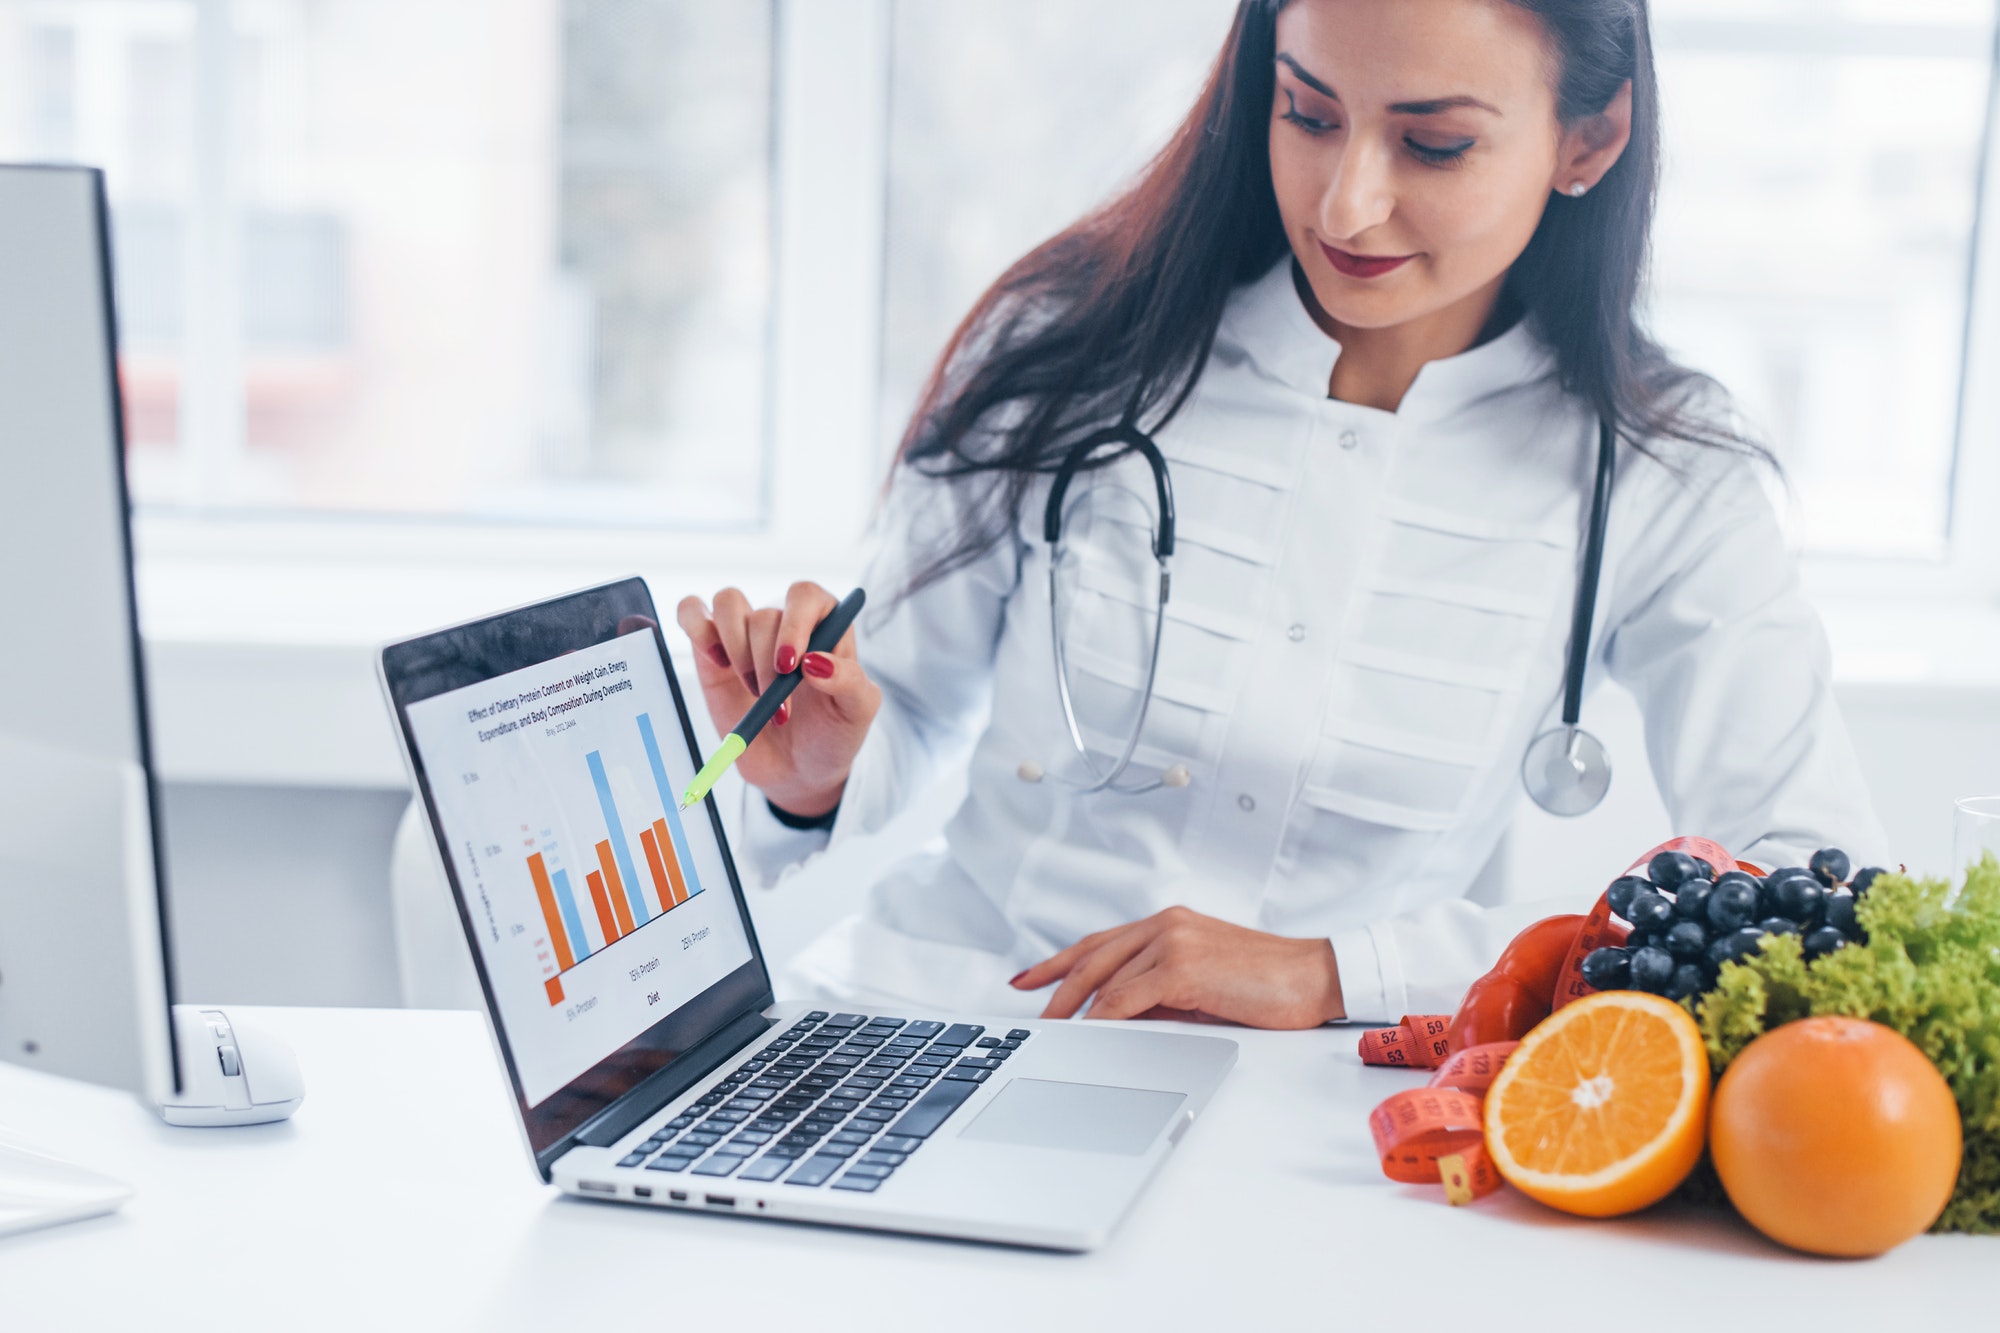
(788,660)
(818,665)
(717,655)
(784,714)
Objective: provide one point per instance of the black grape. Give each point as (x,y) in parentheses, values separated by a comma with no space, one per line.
(1840,912)
(1651,970)
(1777,925)
(1823,940)
(1864,878)
(1668,869)
(1649,911)
(1688,979)
(1801,900)
(1829,865)
(1607,969)
(1687,940)
(1731,903)
(1691,903)
(1619,895)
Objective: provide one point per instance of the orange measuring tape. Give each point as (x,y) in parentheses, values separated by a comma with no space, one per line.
(1436,1132)
(1418,1042)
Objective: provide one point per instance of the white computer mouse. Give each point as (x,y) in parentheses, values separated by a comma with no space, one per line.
(232,1073)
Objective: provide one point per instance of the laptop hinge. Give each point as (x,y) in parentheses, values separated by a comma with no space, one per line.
(620,1118)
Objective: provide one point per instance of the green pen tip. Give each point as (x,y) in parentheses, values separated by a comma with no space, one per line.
(718,763)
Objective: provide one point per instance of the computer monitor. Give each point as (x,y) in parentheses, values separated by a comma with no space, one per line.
(86,986)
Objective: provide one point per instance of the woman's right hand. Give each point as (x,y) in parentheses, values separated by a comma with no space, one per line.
(800,762)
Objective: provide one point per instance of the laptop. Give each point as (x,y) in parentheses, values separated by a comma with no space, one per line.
(630,1005)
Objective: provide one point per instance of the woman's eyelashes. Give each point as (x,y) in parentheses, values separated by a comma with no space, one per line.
(1438,155)
(1430,154)
(1300,119)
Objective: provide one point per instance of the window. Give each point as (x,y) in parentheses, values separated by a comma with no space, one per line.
(1814,242)
(493,258)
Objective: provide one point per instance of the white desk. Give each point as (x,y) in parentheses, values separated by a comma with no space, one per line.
(400,1197)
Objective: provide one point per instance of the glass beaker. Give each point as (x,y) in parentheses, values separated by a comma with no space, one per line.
(1975,832)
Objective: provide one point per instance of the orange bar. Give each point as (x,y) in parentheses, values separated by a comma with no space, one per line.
(604,918)
(551,914)
(554,985)
(662,889)
(673,862)
(618,903)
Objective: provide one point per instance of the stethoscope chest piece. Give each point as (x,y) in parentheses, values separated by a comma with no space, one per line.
(1566,770)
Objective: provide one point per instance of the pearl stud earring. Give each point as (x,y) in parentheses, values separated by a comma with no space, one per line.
(1578,189)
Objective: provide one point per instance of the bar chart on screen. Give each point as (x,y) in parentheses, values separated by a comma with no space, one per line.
(621,903)
(557,788)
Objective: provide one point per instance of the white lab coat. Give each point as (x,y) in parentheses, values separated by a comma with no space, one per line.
(1369,621)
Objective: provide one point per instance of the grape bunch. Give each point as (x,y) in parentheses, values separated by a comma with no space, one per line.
(1687,921)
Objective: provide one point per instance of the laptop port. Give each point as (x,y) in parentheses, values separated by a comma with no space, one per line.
(596,1187)
(642,1191)
(719,1200)
(678,1196)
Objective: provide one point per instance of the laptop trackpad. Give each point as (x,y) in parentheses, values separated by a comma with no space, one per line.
(1085,1117)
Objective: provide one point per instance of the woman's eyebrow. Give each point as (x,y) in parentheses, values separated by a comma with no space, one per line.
(1308,80)
(1429,106)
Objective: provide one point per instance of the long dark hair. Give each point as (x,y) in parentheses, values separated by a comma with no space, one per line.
(1113,318)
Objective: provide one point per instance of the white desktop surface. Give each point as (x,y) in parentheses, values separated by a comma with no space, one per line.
(400,1197)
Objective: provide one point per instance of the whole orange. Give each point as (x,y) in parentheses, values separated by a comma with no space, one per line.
(1835,1136)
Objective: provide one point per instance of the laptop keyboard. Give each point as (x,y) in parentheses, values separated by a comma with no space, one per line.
(840,1100)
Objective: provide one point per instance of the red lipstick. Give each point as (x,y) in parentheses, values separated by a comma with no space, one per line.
(1363,266)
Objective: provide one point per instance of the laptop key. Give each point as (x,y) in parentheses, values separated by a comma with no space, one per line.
(832,1149)
(698,1139)
(632,1158)
(725,1116)
(787,1151)
(869,1171)
(859,1184)
(880,1022)
(978,1062)
(876,1114)
(941,1048)
(988,1041)
(766,1167)
(883,1159)
(814,1171)
(910,1081)
(964,1075)
(1018,1034)
(815,1016)
(735,1149)
(960,1034)
(716,1166)
(669,1164)
(847,1020)
(931,1061)
(848,1136)
(898,1143)
(758,1136)
(1011,1044)
(924,1029)
(921,1120)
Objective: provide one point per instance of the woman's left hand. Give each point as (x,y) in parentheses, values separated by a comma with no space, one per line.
(1180,960)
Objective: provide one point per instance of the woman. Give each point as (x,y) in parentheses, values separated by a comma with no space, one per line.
(1372,302)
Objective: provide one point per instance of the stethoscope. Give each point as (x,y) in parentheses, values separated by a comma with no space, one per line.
(1565,769)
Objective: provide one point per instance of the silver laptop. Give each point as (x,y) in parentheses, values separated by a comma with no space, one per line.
(632,1009)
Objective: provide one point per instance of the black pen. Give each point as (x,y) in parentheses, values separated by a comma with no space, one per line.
(825,636)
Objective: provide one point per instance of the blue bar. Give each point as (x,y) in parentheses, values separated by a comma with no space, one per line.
(579,944)
(671,801)
(619,848)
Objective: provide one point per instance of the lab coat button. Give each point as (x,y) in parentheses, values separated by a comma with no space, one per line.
(1297,634)
(1349,440)
(1247,802)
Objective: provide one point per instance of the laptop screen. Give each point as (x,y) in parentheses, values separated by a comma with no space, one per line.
(605,921)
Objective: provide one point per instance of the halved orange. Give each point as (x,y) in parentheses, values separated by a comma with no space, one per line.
(1604,1108)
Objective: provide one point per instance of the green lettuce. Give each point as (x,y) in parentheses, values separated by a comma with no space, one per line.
(1930,970)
